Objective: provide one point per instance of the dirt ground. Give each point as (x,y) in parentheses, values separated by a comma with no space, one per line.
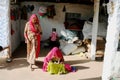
(19,69)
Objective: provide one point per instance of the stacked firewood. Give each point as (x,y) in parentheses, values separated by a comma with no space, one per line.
(100,47)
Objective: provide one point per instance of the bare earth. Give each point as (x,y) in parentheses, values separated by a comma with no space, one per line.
(19,69)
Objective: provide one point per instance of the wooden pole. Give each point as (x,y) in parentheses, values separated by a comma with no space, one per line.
(95,29)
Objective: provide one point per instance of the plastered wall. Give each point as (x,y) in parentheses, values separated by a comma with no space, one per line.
(58,20)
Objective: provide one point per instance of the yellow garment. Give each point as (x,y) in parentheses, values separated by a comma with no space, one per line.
(55,68)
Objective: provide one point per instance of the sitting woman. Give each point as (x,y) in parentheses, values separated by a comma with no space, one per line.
(54,62)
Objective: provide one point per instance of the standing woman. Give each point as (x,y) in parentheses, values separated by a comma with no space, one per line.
(32,34)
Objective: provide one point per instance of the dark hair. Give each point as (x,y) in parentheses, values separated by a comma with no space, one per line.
(90,19)
(1,48)
(53,29)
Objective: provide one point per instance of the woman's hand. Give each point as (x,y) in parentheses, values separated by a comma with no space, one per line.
(41,33)
(26,41)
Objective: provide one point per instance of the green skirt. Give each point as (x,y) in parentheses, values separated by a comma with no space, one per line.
(55,68)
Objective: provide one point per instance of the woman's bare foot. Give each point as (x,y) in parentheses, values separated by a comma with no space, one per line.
(32,69)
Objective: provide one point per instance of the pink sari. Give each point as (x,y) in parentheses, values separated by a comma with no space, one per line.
(32,38)
(37,35)
(55,52)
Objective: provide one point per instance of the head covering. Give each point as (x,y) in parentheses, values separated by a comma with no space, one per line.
(32,24)
(55,52)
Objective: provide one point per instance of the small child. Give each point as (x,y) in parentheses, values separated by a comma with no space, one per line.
(54,41)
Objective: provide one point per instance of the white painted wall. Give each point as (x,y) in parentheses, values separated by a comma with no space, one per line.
(47,24)
(4,25)
(15,38)
(58,20)
(111,66)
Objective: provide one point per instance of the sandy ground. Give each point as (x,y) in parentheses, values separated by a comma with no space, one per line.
(19,69)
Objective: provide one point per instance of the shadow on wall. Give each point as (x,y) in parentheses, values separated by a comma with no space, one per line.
(21,51)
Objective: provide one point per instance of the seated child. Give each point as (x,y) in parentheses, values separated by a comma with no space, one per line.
(54,41)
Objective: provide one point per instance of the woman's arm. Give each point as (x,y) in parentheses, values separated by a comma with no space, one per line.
(25,32)
(40,30)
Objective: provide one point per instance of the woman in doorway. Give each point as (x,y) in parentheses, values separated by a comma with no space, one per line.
(32,34)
